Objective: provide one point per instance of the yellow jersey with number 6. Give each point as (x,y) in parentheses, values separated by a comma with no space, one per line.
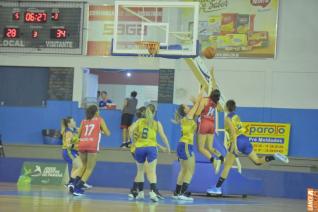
(147,135)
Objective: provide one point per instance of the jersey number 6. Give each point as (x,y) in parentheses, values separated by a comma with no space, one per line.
(144,134)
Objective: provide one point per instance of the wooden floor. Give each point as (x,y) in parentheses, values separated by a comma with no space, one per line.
(56,198)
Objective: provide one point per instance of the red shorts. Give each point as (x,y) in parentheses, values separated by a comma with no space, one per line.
(206,126)
(89,147)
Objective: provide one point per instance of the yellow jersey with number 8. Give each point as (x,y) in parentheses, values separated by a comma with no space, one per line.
(147,135)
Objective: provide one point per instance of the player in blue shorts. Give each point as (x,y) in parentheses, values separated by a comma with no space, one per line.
(239,143)
(70,149)
(145,142)
(185,117)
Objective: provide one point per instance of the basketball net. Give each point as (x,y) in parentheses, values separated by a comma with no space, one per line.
(148,49)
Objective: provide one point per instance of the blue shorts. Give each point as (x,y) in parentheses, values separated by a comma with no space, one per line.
(69,155)
(142,153)
(184,151)
(244,145)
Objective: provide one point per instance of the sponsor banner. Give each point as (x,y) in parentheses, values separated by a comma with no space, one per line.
(239,28)
(268,138)
(312,199)
(38,173)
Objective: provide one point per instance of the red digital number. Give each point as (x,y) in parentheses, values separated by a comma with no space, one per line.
(11,32)
(44,15)
(35,34)
(29,17)
(55,16)
(35,17)
(16,16)
(39,17)
(60,33)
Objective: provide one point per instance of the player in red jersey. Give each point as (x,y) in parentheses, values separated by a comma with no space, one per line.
(90,134)
(206,126)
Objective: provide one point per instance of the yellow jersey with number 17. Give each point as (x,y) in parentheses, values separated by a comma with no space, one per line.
(188,129)
(236,121)
(147,135)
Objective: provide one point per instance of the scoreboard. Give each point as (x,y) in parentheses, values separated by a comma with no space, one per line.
(41,27)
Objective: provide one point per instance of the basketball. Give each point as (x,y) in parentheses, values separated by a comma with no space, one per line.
(209,52)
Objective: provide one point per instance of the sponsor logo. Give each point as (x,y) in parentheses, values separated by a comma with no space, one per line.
(262,3)
(213,5)
(37,171)
(265,130)
(47,172)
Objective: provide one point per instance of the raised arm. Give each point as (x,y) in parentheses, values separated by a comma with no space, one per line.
(104,128)
(212,82)
(163,136)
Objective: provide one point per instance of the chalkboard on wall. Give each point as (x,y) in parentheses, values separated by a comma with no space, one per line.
(166,86)
(61,83)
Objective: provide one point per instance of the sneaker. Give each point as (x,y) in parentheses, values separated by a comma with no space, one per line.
(66,185)
(281,157)
(153,196)
(159,195)
(78,192)
(217,166)
(214,191)
(187,193)
(133,194)
(71,188)
(140,195)
(87,186)
(175,195)
(185,198)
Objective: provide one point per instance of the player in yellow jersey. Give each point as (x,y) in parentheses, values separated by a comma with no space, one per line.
(70,149)
(145,130)
(239,143)
(185,117)
(133,136)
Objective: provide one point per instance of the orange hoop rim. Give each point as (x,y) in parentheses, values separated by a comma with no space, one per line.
(151,46)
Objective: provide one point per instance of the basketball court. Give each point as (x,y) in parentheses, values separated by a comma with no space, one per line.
(48,198)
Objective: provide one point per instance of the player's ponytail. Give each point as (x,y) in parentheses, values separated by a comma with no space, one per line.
(179,114)
(64,124)
(91,112)
(149,114)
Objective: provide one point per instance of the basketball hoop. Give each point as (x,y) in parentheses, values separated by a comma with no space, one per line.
(152,47)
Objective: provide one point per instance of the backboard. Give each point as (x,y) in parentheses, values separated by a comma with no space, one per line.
(173,24)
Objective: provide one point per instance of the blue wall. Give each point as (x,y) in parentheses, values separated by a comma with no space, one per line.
(23,125)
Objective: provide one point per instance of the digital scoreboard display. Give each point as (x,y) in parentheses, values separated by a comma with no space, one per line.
(41,27)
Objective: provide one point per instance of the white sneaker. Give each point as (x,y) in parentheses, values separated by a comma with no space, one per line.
(214,191)
(281,157)
(87,186)
(185,198)
(217,166)
(140,195)
(153,196)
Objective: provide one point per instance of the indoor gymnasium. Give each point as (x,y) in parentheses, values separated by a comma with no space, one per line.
(168,105)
